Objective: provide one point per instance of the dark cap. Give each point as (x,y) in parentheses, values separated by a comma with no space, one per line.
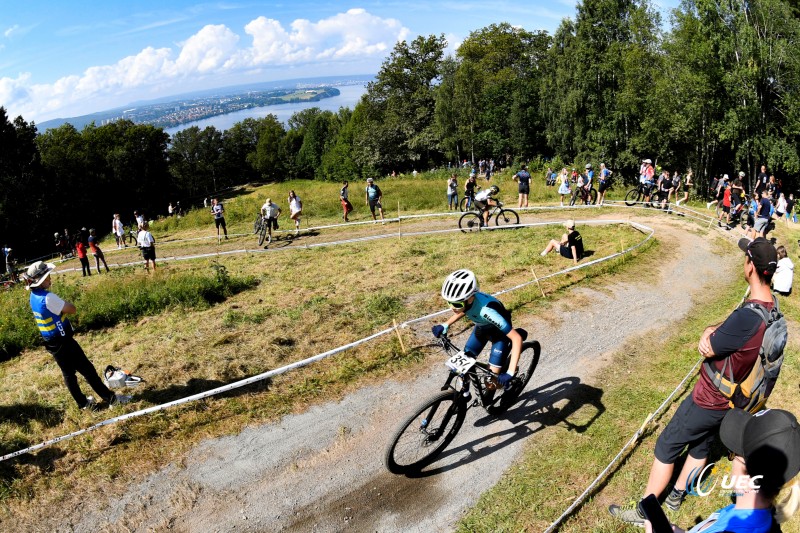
(769,441)
(761,253)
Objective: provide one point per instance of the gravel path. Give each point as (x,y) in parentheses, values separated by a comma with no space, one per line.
(323,470)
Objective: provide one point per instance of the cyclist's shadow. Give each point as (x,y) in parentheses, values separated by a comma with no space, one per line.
(563,401)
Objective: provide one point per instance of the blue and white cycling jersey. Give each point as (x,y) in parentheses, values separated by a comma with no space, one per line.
(487,310)
(588,179)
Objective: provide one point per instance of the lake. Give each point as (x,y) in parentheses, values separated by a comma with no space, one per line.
(348,97)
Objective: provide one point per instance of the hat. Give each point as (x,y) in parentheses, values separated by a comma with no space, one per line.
(269,200)
(741,174)
(37,273)
(370,180)
(569,224)
(646,161)
(769,441)
(761,253)
(725,177)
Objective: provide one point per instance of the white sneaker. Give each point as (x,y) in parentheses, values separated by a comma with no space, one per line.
(90,404)
(543,253)
(119,399)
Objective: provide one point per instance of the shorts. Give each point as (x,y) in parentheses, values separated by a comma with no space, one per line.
(691,425)
(480,205)
(220,222)
(149,253)
(347,206)
(726,209)
(601,188)
(565,250)
(501,344)
(524,189)
(272,223)
(375,204)
(761,224)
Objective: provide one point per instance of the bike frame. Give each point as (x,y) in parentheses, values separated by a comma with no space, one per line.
(473,376)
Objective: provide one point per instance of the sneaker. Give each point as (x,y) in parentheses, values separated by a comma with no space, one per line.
(91,404)
(675,499)
(630,515)
(118,399)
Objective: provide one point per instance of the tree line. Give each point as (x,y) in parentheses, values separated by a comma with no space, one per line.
(716,90)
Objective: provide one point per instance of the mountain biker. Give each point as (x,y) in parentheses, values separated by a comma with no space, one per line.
(484,200)
(270,211)
(492,323)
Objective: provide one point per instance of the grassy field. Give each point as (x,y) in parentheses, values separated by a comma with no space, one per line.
(564,462)
(269,310)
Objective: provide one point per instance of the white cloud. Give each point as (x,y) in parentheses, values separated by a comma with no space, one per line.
(214,50)
(10,31)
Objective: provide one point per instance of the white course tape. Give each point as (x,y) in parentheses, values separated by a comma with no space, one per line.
(324,355)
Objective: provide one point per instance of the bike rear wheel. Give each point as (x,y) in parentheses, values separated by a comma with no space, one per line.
(528,361)
(425,434)
(257,224)
(573,198)
(464,204)
(633,197)
(592,196)
(506,217)
(470,222)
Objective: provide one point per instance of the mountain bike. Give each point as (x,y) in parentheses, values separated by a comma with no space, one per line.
(257,223)
(420,438)
(264,232)
(473,220)
(639,193)
(468,201)
(587,197)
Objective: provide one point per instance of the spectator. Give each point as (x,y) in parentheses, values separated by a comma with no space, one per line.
(772,189)
(94,246)
(523,177)
(11,263)
(452,193)
(295,209)
(550,177)
(218,210)
(119,231)
(270,212)
(139,219)
(343,197)
(784,274)
(470,188)
(374,196)
(570,246)
(686,186)
(763,215)
(762,180)
(735,345)
(170,209)
(205,202)
(147,243)
(603,183)
(564,188)
(50,312)
(80,251)
(790,203)
(766,449)
(780,206)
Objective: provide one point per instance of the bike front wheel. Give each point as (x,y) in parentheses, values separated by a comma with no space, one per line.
(424,435)
(506,217)
(470,222)
(633,197)
(264,235)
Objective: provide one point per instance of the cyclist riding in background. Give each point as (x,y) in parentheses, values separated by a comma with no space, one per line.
(484,200)
(492,323)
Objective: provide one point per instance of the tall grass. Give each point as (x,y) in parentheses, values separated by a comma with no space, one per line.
(123,297)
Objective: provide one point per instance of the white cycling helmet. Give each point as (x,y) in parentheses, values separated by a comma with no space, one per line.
(588,166)
(459,286)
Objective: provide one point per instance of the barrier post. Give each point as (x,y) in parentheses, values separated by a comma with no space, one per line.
(536,279)
(399,337)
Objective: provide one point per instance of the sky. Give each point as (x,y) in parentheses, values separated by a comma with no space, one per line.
(61,59)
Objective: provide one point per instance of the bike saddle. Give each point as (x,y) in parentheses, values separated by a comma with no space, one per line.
(522,333)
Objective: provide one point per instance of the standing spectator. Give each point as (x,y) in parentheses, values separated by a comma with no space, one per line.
(11,263)
(603,183)
(50,312)
(139,219)
(726,206)
(170,209)
(570,246)
(564,185)
(549,177)
(523,177)
(94,246)
(665,188)
(295,209)
(470,188)
(780,206)
(762,180)
(735,345)
(772,189)
(784,274)
(80,251)
(374,196)
(452,193)
(218,210)
(686,186)
(270,212)
(205,202)
(119,231)
(147,243)
(790,203)
(344,198)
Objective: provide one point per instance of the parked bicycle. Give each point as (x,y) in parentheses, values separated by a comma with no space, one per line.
(639,193)
(468,201)
(587,197)
(424,435)
(473,220)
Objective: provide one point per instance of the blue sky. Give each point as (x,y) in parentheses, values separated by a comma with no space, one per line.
(66,58)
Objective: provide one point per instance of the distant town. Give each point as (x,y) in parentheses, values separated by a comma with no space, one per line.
(171,114)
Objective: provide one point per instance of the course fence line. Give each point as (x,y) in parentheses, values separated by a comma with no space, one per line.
(334,351)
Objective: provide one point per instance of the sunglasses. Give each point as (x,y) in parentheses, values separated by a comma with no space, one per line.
(457,305)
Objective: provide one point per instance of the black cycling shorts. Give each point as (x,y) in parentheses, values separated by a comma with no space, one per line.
(601,188)
(524,189)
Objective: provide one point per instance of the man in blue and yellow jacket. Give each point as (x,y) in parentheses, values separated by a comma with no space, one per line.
(50,312)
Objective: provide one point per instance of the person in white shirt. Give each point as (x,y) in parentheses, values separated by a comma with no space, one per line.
(784,274)
(119,231)
(271,212)
(147,243)
(295,209)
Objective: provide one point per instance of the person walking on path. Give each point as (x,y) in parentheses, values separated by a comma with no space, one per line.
(147,243)
(374,196)
(119,231)
(218,210)
(686,186)
(523,177)
(94,246)
(734,344)
(452,193)
(50,313)
(344,199)
(80,251)
(295,210)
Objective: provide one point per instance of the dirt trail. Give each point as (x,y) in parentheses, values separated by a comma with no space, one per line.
(323,470)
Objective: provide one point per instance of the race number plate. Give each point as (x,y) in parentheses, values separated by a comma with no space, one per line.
(460,363)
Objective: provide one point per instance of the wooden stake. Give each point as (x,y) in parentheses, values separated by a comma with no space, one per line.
(399,337)
(536,279)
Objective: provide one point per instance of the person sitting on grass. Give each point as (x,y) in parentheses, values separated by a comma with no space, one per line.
(570,246)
